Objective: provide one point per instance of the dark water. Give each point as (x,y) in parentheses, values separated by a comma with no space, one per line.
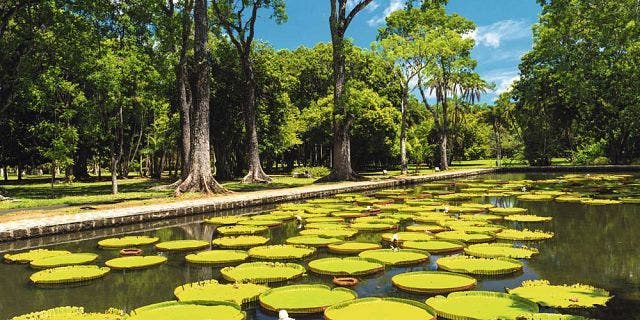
(593,245)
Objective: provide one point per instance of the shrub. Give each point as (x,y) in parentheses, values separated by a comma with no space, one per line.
(315,172)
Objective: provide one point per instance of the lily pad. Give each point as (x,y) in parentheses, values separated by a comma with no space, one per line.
(561,296)
(379,309)
(31,255)
(396,257)
(72,313)
(372,226)
(313,241)
(465,236)
(408,236)
(507,211)
(351,266)
(352,247)
(64,260)
(324,219)
(182,245)
(240,241)
(304,298)
(549,316)
(433,228)
(325,225)
(281,252)
(494,250)
(263,223)
(68,274)
(224,221)
(135,262)
(435,246)
(217,257)
(128,241)
(330,233)
(481,266)
(241,230)
(523,235)
(536,197)
(527,218)
(189,310)
(474,305)
(433,282)
(263,272)
(211,290)
(600,202)
(571,199)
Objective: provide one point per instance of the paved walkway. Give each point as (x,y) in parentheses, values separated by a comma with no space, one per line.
(29,228)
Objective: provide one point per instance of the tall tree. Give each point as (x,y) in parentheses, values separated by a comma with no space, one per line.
(240,28)
(184,92)
(339,22)
(200,177)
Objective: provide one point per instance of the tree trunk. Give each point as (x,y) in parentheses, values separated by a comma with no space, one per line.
(19,173)
(256,173)
(444,161)
(404,167)
(80,165)
(184,98)
(114,173)
(200,178)
(6,173)
(53,178)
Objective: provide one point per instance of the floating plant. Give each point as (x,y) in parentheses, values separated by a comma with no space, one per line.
(189,310)
(182,245)
(229,220)
(68,274)
(31,255)
(379,309)
(474,305)
(211,290)
(128,241)
(281,252)
(217,257)
(241,230)
(524,235)
(408,236)
(480,266)
(433,282)
(396,257)
(561,296)
(305,298)
(351,266)
(435,246)
(330,233)
(313,241)
(72,313)
(495,250)
(527,218)
(135,262)
(465,236)
(507,211)
(64,260)
(263,272)
(352,247)
(240,241)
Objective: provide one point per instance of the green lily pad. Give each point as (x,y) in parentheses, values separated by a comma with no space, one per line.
(433,228)
(571,199)
(323,219)
(351,266)
(326,225)
(408,236)
(72,313)
(182,245)
(396,257)
(600,202)
(263,223)
(495,250)
(481,266)
(379,309)
(217,257)
(64,260)
(240,241)
(135,262)
(561,296)
(241,230)
(372,226)
(465,236)
(313,241)
(457,196)
(523,235)
(128,241)
(281,252)
(304,298)
(433,282)
(435,246)
(68,274)
(549,316)
(272,217)
(527,218)
(211,290)
(352,247)
(507,211)
(189,310)
(475,305)
(479,229)
(263,272)
(31,255)
(481,217)
(330,233)
(536,197)
(224,221)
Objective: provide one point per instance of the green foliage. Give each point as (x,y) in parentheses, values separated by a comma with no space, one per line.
(313,171)
(305,298)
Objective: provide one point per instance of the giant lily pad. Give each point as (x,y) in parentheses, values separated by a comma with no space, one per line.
(64,260)
(600,202)
(182,245)
(396,257)
(240,241)
(211,290)
(433,282)
(433,228)
(324,219)
(262,272)
(351,266)
(229,220)
(135,262)
(372,226)
(313,241)
(494,250)
(561,296)
(480,305)
(68,274)
(325,225)
(379,309)
(304,298)
(536,197)
(241,230)
(479,229)
(31,255)
(71,313)
(408,236)
(434,246)
(465,236)
(549,316)
(263,223)
(128,241)
(352,247)
(481,266)
(189,310)
(527,218)
(507,211)
(281,252)
(217,257)
(523,235)
(330,233)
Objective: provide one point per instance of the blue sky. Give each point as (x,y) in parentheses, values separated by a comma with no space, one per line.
(503,34)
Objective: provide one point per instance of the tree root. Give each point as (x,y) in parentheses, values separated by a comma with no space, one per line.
(336,176)
(203,183)
(256,176)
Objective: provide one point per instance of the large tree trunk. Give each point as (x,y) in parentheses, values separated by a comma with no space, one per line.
(6,173)
(200,178)
(404,167)
(184,98)
(256,173)
(81,163)
(444,161)
(114,173)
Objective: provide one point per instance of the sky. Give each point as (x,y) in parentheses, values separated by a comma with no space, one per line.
(502,37)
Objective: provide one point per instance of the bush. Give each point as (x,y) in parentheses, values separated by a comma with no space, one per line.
(601,161)
(591,153)
(315,172)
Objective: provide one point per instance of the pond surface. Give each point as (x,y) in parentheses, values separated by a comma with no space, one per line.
(595,245)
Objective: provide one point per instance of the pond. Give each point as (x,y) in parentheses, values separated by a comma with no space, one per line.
(594,245)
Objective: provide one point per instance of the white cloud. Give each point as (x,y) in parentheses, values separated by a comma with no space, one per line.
(371,7)
(394,5)
(494,34)
(502,78)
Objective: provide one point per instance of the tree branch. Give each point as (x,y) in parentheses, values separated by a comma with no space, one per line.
(361,5)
